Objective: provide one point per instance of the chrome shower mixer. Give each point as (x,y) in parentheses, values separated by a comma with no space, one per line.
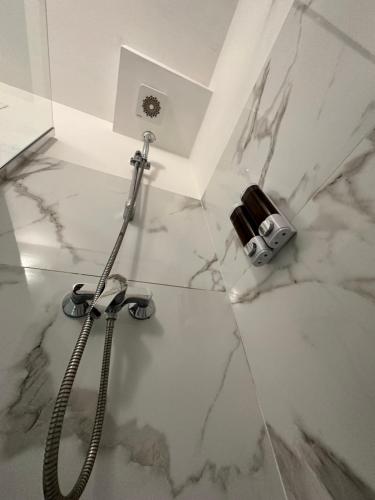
(117,294)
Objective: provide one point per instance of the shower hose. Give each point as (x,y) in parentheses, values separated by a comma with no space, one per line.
(51,485)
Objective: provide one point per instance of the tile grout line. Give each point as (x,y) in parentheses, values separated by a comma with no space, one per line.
(72,273)
(332,173)
(258,402)
(334,30)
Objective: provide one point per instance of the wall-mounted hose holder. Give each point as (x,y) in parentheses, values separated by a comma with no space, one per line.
(262,229)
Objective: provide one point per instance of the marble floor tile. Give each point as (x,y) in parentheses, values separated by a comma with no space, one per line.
(182,417)
(56,215)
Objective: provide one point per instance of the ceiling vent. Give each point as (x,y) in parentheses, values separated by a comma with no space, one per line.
(151,96)
(151,104)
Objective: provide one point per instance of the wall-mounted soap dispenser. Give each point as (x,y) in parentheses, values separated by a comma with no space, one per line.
(246,229)
(272,225)
(261,227)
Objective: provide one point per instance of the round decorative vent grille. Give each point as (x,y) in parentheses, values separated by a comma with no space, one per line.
(151,106)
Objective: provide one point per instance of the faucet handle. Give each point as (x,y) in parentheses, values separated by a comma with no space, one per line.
(141,305)
(76,303)
(138,295)
(85,291)
(113,296)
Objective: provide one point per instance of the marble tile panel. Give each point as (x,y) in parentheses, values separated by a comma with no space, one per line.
(337,232)
(312,357)
(314,369)
(300,123)
(56,215)
(182,417)
(307,319)
(353,21)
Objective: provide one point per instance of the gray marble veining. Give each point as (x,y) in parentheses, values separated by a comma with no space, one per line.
(65,217)
(220,387)
(182,419)
(295,130)
(307,136)
(313,471)
(347,24)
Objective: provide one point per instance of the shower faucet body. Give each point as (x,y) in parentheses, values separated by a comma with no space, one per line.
(117,294)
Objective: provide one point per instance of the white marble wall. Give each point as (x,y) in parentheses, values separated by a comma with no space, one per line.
(65,217)
(307,319)
(182,416)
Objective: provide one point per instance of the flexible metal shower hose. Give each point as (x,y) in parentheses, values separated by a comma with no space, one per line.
(51,485)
